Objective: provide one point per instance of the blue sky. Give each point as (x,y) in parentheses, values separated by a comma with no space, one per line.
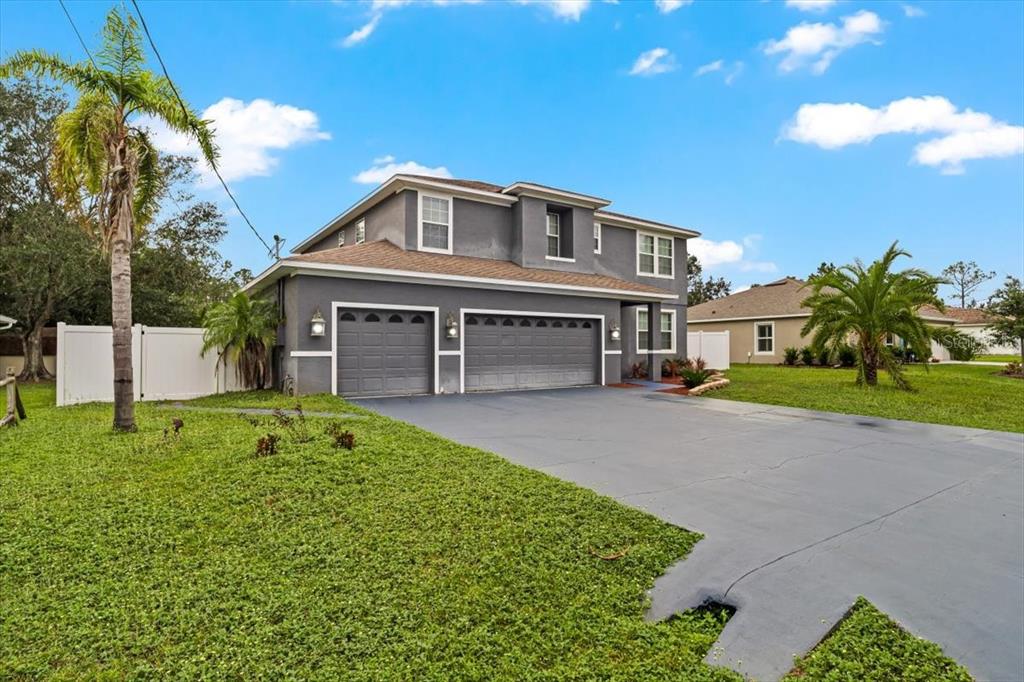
(610,99)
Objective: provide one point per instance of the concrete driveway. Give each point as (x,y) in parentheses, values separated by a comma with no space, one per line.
(802,511)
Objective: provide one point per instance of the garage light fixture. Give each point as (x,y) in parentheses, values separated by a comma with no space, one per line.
(317,325)
(614,331)
(451,327)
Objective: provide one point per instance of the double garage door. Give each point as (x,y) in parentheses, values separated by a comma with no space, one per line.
(391,352)
(505,352)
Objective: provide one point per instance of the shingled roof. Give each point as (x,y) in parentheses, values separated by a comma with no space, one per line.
(969,315)
(383,255)
(781,298)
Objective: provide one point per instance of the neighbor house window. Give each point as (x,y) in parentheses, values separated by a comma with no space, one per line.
(435,223)
(554,235)
(890,340)
(360,230)
(655,256)
(666,329)
(597,237)
(764,338)
(341,237)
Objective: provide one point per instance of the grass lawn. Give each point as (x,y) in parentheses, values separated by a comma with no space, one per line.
(410,557)
(963,395)
(999,358)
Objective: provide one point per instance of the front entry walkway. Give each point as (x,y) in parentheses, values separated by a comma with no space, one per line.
(802,511)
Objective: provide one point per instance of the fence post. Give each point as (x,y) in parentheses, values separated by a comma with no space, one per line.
(14,406)
(59,364)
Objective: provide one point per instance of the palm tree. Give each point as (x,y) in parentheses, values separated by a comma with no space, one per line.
(866,304)
(243,330)
(106,169)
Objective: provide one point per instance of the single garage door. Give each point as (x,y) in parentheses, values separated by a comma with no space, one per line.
(510,351)
(384,352)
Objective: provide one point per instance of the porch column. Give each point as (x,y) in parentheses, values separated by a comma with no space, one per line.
(654,341)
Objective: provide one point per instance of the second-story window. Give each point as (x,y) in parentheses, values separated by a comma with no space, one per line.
(597,237)
(435,223)
(655,256)
(554,235)
(360,230)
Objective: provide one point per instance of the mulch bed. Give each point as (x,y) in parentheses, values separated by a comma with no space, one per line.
(624,386)
(678,390)
(672,380)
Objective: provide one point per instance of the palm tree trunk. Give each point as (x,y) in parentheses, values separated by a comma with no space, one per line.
(121,294)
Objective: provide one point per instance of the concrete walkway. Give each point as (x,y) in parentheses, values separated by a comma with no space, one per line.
(802,511)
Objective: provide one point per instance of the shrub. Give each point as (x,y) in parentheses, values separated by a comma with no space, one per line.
(789,355)
(670,366)
(847,356)
(340,436)
(807,356)
(693,363)
(267,445)
(638,370)
(1013,369)
(693,377)
(295,426)
(824,357)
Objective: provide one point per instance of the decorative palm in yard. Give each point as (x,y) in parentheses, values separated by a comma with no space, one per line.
(106,169)
(864,305)
(243,330)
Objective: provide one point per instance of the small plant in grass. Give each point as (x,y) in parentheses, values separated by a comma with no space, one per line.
(267,445)
(1013,369)
(294,425)
(789,355)
(847,356)
(340,436)
(177,424)
(807,356)
(693,377)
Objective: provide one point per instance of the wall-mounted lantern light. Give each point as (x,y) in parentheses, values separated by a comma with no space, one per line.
(614,332)
(317,325)
(451,327)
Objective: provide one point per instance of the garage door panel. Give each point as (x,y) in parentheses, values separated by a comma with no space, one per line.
(529,352)
(383,352)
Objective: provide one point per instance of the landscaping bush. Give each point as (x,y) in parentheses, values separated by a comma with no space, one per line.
(1013,369)
(824,357)
(789,355)
(807,356)
(693,377)
(847,356)
(693,363)
(638,370)
(670,366)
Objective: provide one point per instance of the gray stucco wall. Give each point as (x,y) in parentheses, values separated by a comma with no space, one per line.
(481,230)
(313,374)
(387,220)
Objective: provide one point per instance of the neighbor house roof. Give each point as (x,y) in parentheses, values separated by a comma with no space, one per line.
(382,260)
(969,315)
(781,298)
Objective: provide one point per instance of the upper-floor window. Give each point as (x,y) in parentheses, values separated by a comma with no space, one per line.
(554,235)
(435,223)
(341,237)
(597,237)
(666,331)
(655,256)
(360,230)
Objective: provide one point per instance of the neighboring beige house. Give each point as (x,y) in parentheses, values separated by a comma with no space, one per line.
(974,322)
(765,319)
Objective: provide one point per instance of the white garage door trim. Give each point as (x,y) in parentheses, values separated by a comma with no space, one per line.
(532,313)
(336,305)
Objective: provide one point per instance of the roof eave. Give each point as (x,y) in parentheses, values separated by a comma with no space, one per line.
(640,223)
(552,194)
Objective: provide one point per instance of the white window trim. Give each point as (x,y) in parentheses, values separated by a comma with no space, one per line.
(361,230)
(419,221)
(759,324)
(672,258)
(559,258)
(670,350)
(598,236)
(548,235)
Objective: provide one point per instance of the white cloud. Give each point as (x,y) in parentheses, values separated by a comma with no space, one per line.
(963,135)
(737,69)
(666,6)
(245,134)
(386,166)
(653,62)
(729,253)
(570,10)
(819,44)
(710,67)
(912,12)
(810,5)
(360,34)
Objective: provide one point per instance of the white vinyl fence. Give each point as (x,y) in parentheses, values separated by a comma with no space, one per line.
(165,360)
(713,347)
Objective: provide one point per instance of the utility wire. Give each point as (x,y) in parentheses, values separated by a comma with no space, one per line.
(270,250)
(75,28)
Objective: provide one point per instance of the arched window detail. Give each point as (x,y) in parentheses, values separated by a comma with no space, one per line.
(348,317)
(572,325)
(507,322)
(542,323)
(372,317)
(490,322)
(524,323)
(395,318)
(472,320)
(586,325)
(417,319)
(556,323)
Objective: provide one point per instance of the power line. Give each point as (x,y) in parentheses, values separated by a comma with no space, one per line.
(75,28)
(213,165)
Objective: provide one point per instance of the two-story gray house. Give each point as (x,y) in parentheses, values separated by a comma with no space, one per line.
(431,285)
